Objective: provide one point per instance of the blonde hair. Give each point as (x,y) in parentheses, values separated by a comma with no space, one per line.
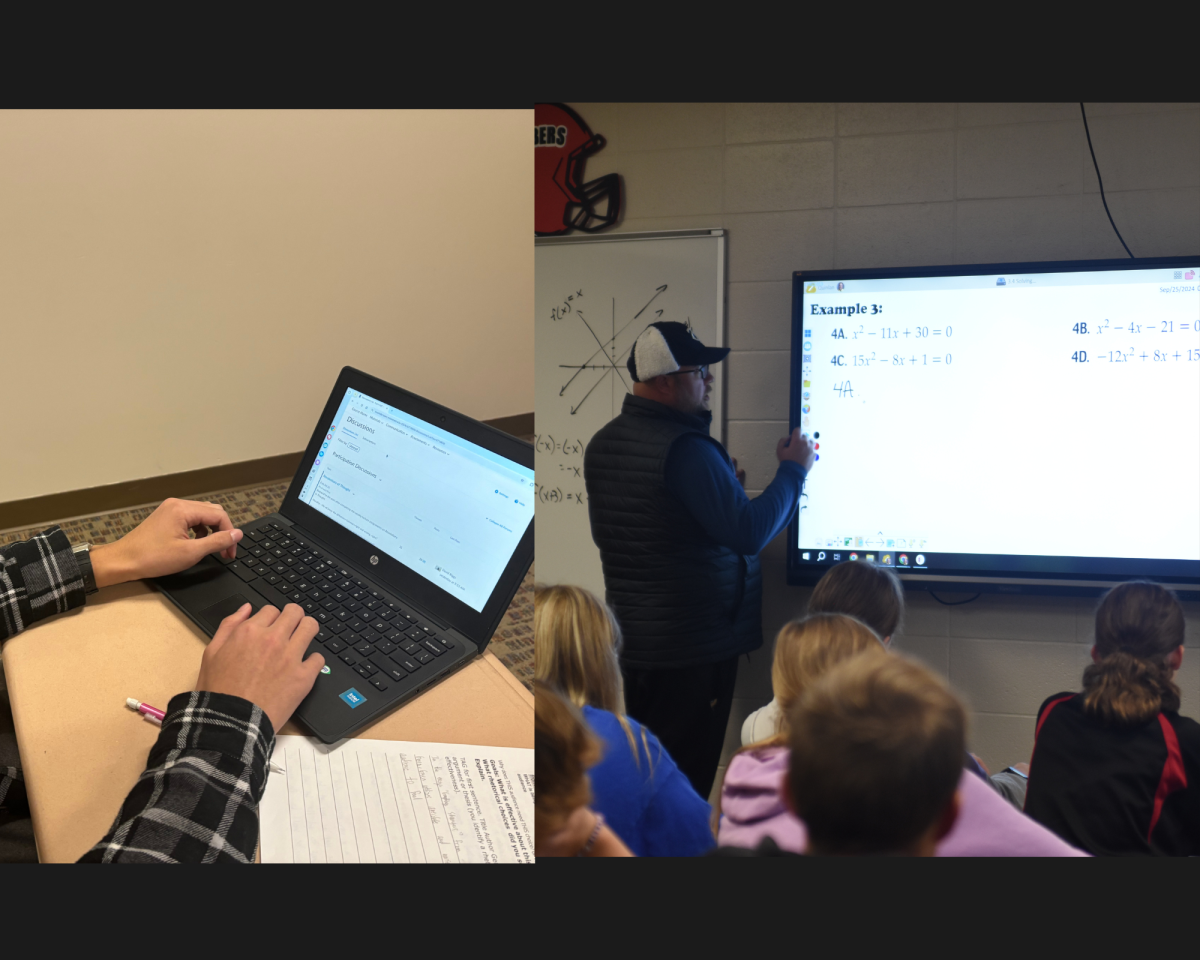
(805,650)
(576,640)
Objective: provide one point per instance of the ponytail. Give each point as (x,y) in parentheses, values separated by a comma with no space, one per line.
(1138,626)
(1124,690)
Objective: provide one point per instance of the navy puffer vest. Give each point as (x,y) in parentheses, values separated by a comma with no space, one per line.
(681,597)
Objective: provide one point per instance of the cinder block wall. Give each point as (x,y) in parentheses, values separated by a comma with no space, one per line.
(817,186)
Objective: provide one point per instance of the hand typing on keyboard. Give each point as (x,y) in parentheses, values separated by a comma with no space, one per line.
(160,545)
(360,628)
(260,658)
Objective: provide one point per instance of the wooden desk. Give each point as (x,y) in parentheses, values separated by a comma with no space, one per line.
(82,749)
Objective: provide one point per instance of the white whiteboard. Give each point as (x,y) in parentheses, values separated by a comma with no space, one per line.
(593,296)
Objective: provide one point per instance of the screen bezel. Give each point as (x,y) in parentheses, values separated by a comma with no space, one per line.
(1072,576)
(388,572)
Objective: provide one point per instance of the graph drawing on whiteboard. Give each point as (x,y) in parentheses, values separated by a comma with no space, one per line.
(593,297)
(608,359)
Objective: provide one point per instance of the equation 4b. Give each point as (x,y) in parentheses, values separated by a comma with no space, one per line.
(558,495)
(544,443)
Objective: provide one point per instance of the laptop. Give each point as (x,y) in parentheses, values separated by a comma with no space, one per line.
(405,533)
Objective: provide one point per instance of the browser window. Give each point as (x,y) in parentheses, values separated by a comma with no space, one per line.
(446,508)
(1050,414)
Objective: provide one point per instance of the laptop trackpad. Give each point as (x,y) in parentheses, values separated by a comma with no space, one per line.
(221,609)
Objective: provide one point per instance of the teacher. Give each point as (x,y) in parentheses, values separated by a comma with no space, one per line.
(679,543)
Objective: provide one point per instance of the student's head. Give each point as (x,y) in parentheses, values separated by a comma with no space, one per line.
(564,748)
(861,589)
(1139,646)
(876,755)
(805,650)
(576,640)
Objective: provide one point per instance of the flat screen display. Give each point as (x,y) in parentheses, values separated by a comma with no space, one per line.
(449,510)
(1035,422)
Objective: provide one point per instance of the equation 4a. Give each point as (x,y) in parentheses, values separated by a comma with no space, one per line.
(890,333)
(556,495)
(544,443)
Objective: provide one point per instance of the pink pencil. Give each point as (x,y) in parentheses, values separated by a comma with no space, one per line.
(145,709)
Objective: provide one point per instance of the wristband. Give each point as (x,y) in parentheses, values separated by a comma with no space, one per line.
(83,559)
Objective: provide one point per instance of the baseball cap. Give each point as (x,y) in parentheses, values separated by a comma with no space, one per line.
(666,346)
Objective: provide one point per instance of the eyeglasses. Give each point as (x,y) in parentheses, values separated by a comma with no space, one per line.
(702,370)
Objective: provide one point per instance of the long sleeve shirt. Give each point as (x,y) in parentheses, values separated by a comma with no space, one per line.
(197,800)
(699,476)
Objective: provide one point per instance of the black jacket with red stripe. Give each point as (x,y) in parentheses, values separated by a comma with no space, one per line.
(1116,791)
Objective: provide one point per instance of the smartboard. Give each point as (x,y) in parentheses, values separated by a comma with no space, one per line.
(593,296)
(967,417)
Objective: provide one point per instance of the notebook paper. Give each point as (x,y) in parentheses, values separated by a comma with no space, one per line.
(385,801)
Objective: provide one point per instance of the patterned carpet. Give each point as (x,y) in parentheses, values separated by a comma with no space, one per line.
(512,643)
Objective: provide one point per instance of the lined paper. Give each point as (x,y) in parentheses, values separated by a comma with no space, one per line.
(385,801)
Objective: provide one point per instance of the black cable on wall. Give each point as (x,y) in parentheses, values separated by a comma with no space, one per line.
(1101,182)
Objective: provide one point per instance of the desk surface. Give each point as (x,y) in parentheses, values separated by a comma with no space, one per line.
(82,749)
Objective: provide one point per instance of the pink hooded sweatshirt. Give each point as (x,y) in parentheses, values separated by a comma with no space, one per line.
(987,826)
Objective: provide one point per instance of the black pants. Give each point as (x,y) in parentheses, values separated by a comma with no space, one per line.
(687,708)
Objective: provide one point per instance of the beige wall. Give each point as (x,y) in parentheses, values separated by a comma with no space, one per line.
(179,290)
(824,185)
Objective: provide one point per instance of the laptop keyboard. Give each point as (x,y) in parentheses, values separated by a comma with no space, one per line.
(373,634)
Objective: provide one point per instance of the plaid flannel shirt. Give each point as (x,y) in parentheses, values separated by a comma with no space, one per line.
(197,800)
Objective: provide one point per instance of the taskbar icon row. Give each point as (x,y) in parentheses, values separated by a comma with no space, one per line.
(889,558)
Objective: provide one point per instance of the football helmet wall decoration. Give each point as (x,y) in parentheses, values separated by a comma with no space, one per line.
(562,200)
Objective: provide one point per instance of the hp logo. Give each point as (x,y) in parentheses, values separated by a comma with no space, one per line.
(374,561)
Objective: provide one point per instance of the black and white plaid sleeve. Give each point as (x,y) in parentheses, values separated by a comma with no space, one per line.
(38,578)
(197,801)
(8,776)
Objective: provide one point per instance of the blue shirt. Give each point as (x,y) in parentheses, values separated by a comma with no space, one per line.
(657,814)
(699,476)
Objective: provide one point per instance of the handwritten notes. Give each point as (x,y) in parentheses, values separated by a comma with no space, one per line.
(383,801)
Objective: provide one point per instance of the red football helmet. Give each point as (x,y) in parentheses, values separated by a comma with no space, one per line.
(562,201)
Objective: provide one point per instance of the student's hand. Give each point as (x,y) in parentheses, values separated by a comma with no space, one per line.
(570,839)
(260,658)
(160,545)
(797,448)
(739,473)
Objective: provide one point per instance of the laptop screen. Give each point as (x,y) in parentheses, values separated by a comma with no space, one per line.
(449,510)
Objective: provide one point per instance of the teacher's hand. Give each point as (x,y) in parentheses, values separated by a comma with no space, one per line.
(160,544)
(797,448)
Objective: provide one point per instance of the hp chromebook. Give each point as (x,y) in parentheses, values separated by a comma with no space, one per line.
(405,533)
